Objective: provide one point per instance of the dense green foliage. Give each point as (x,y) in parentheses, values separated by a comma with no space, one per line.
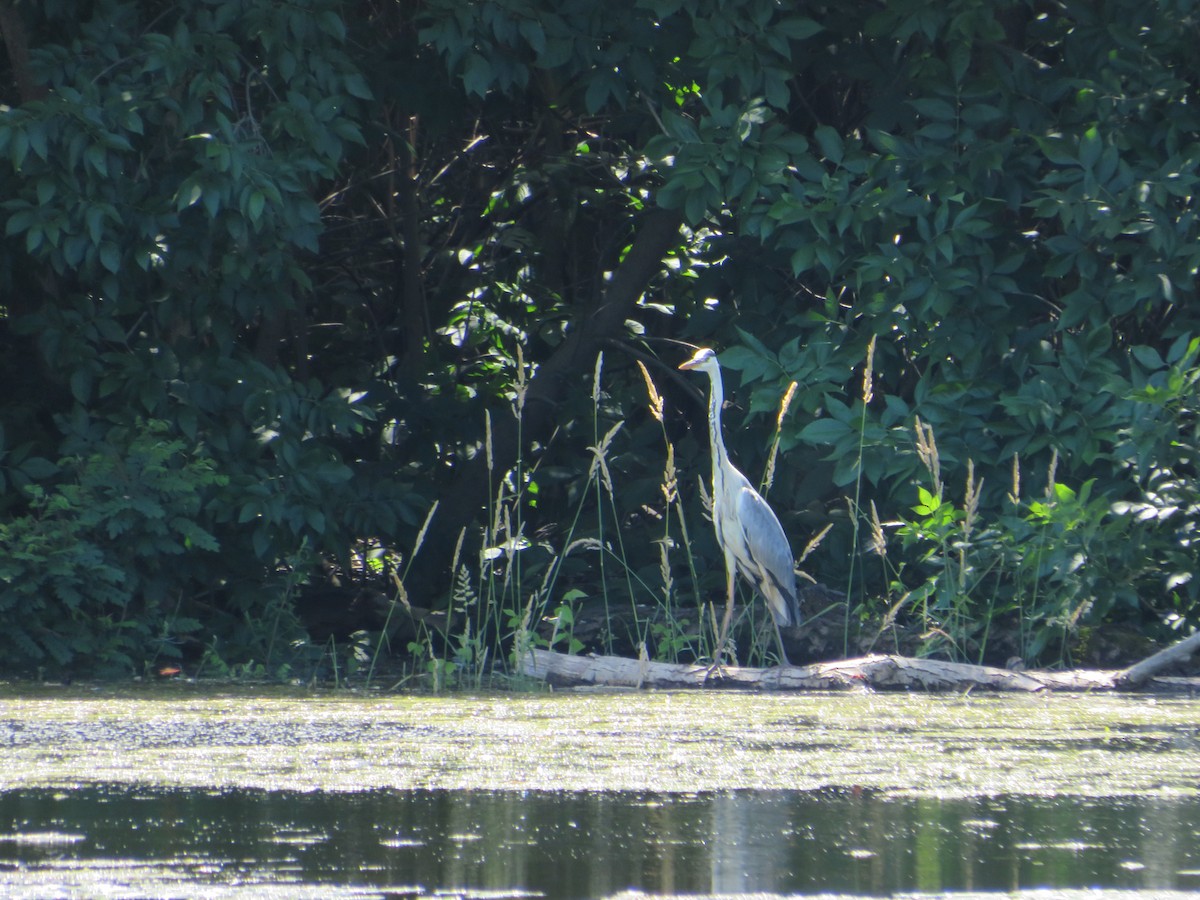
(278,277)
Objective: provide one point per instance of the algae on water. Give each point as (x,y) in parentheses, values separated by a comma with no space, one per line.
(933,745)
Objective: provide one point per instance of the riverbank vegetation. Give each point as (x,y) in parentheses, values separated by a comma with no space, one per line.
(339,338)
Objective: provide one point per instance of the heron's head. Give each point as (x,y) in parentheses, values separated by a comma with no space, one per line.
(705,360)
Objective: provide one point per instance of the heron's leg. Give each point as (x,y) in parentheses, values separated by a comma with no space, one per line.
(783,657)
(723,637)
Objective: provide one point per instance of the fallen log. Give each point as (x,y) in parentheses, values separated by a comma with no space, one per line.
(1139,673)
(876,671)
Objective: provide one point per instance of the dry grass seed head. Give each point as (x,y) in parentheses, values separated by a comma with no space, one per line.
(786,402)
(508,542)
(971,501)
(424,528)
(582,544)
(769,477)
(522,385)
(496,526)
(664,569)
(889,618)
(670,485)
(878,543)
(656,401)
(599,458)
(927,452)
(458,545)
(705,497)
(868,390)
(487,439)
(524,637)
(596,379)
(401,593)
(1015,497)
(815,542)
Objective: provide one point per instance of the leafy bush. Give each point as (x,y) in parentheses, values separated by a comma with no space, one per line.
(95,573)
(325,244)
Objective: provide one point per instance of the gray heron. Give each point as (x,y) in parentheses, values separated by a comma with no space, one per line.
(748,532)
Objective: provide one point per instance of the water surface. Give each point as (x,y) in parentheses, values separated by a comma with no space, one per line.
(576,845)
(190,793)
(686,742)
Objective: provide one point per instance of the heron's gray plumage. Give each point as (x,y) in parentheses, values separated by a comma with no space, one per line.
(748,531)
(764,556)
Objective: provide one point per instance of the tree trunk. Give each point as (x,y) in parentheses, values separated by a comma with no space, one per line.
(16,42)
(569,367)
(1137,675)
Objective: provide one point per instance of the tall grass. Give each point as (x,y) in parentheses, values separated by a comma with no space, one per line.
(400,599)
(868,393)
(674,635)
(958,572)
(964,574)
(502,606)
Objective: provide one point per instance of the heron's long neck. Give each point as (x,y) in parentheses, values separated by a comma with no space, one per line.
(716,400)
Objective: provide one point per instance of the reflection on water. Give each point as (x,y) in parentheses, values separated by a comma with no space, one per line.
(129,842)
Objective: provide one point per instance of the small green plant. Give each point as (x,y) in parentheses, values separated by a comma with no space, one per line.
(1040,571)
(562,634)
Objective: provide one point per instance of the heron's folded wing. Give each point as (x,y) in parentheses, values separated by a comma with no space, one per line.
(765,539)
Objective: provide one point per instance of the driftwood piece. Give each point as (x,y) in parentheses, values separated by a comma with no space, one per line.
(867,672)
(1139,673)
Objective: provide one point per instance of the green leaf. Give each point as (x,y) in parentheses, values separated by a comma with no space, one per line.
(803,259)
(19,221)
(797,27)
(927,503)
(824,431)
(1148,357)
(93,218)
(254,206)
(33,237)
(938,131)
(46,189)
(189,193)
(534,34)
(754,343)
(37,139)
(97,158)
(1056,150)
(332,472)
(599,90)
(356,86)
(695,207)
(212,201)
(934,108)
(1089,148)
(81,385)
(110,257)
(37,468)
(1062,493)
(680,127)
(477,76)
(18,147)
(830,143)
(1185,346)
